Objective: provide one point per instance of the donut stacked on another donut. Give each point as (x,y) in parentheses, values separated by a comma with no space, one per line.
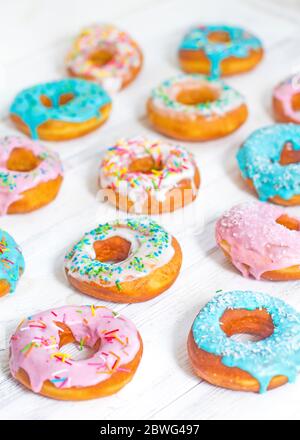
(269,162)
(261,240)
(107,55)
(196,108)
(246,366)
(125,261)
(11,263)
(219,50)
(61,110)
(149,176)
(286,100)
(30,175)
(39,363)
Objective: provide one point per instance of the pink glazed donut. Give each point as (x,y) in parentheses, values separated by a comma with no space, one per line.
(30,175)
(38,361)
(261,240)
(286,100)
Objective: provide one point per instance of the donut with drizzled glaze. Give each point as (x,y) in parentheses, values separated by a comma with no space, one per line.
(261,241)
(144,176)
(269,362)
(125,261)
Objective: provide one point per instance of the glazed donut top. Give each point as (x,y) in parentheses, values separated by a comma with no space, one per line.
(240,44)
(258,244)
(151,248)
(35,346)
(11,260)
(259,159)
(284,92)
(12,183)
(275,356)
(175,164)
(165,95)
(126,55)
(87,100)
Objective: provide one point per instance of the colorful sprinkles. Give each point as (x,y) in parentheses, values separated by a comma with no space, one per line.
(171,165)
(125,56)
(151,247)
(36,349)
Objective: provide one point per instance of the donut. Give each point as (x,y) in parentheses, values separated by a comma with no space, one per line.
(269,163)
(261,241)
(30,175)
(196,108)
(269,363)
(107,55)
(61,110)
(37,359)
(11,263)
(219,51)
(145,176)
(286,100)
(126,261)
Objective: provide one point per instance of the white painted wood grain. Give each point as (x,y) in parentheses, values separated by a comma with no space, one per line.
(34,37)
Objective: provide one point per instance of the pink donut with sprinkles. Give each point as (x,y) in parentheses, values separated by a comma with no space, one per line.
(30,175)
(107,55)
(37,359)
(144,176)
(261,241)
(286,100)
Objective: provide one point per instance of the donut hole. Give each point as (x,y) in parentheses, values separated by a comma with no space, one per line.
(296,102)
(145,165)
(73,349)
(22,160)
(219,37)
(64,99)
(288,222)
(289,155)
(101,57)
(247,325)
(197,95)
(113,250)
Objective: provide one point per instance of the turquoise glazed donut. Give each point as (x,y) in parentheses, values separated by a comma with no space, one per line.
(11,263)
(262,164)
(61,109)
(276,356)
(214,44)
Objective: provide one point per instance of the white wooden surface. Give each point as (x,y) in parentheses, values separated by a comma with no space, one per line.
(34,37)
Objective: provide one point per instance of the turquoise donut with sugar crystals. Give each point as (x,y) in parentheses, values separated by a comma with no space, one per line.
(277,355)
(11,260)
(239,45)
(87,102)
(259,160)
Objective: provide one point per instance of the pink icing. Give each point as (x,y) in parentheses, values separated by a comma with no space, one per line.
(284,92)
(257,242)
(13,183)
(35,346)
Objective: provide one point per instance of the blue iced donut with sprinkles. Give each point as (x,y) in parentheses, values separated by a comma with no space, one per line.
(270,361)
(11,263)
(269,162)
(61,110)
(219,50)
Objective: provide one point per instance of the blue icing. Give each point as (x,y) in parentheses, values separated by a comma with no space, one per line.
(239,46)
(12,263)
(277,355)
(259,158)
(89,98)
